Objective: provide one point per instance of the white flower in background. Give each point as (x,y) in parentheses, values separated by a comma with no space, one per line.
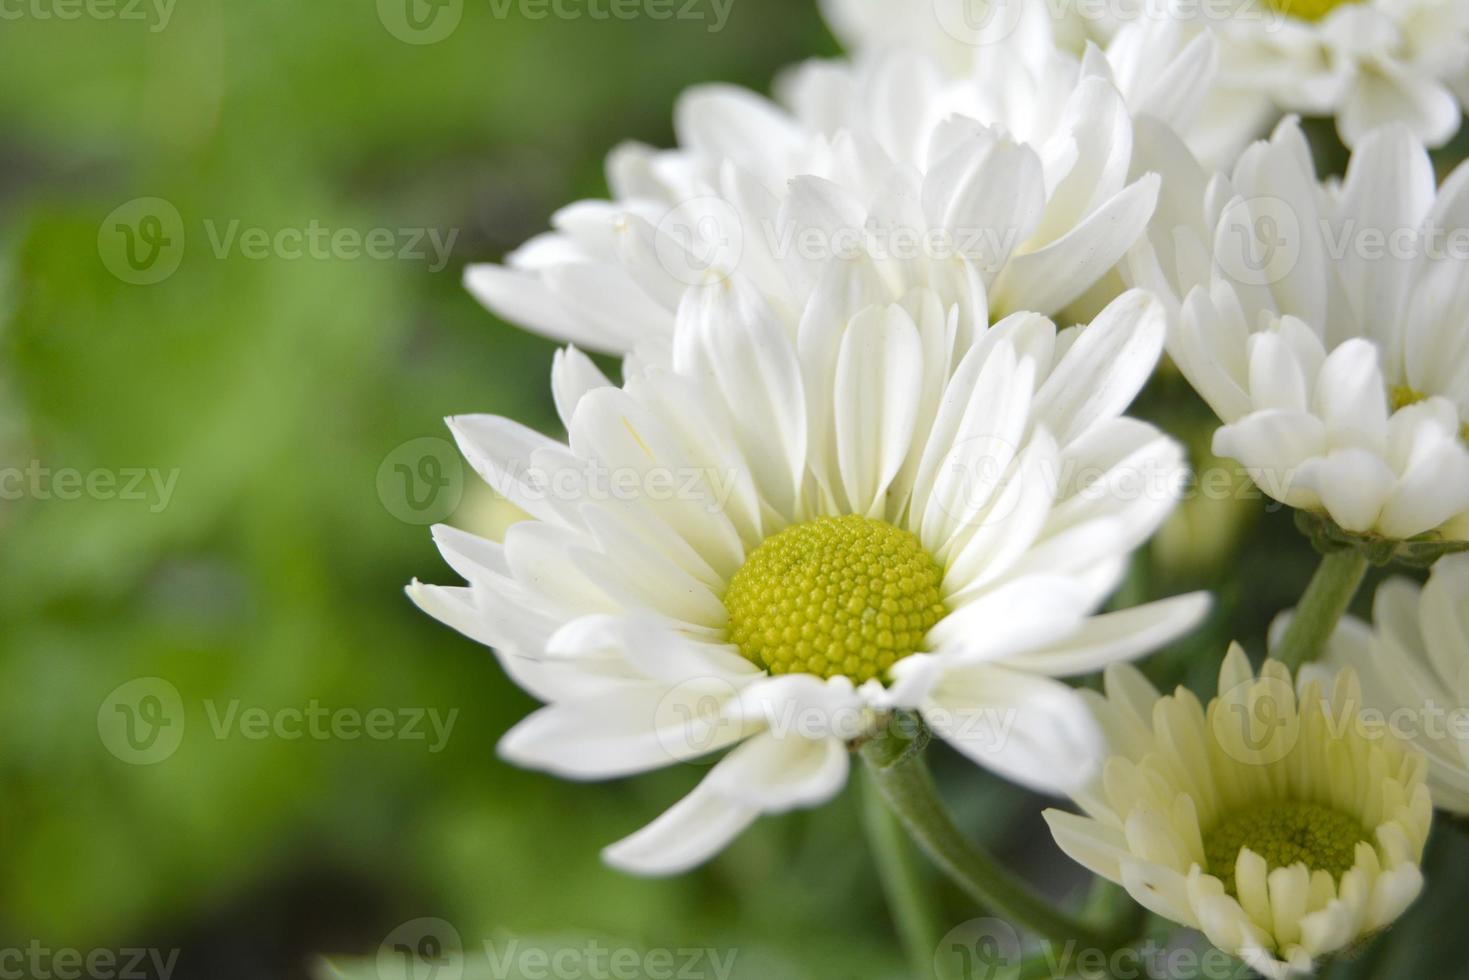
(1150,58)
(1271,823)
(1415,672)
(772,550)
(1010,191)
(1325,325)
(1166,65)
(1366,62)
(955,32)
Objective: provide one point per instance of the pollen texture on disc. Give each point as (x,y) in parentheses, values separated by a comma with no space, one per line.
(1307,9)
(838,596)
(1285,833)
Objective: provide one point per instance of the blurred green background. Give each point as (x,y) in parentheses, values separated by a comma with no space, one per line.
(273,395)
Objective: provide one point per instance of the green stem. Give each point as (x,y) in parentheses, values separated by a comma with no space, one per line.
(1331,590)
(902,883)
(898,769)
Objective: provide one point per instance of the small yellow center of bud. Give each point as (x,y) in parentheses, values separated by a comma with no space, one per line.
(1306,9)
(838,596)
(1404,395)
(1320,837)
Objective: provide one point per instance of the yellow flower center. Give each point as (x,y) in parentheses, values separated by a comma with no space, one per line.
(1285,833)
(1306,9)
(1404,395)
(837,596)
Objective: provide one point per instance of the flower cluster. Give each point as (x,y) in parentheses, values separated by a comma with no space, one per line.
(886,329)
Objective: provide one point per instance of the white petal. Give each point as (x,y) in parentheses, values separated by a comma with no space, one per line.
(635,729)
(573,374)
(1397,95)
(1352,484)
(1010,526)
(1098,848)
(765,774)
(976,433)
(691,832)
(775,773)
(879,371)
(644,464)
(729,121)
(802,704)
(1032,730)
(615,312)
(1351,396)
(1046,280)
(1028,612)
(986,186)
(1276,379)
(1389,185)
(474,558)
(654,650)
(1106,639)
(1272,445)
(521,464)
(729,340)
(524,299)
(1105,368)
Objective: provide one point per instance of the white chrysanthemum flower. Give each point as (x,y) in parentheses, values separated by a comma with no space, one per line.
(1415,674)
(1010,191)
(1367,62)
(961,33)
(1270,822)
(1166,65)
(772,550)
(1325,325)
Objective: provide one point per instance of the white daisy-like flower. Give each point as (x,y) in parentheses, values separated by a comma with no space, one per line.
(1268,821)
(1151,57)
(955,32)
(1165,62)
(759,549)
(1366,62)
(1008,191)
(1415,675)
(1325,325)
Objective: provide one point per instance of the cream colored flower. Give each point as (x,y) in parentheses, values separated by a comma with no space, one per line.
(1415,674)
(1268,820)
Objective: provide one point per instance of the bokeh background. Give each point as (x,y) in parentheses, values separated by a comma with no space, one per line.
(277,407)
